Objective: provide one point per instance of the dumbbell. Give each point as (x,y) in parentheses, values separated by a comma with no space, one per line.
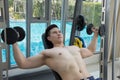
(101,30)
(80,22)
(12,35)
(89,29)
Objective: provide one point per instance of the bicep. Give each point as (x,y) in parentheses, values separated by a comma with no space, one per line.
(35,61)
(85,52)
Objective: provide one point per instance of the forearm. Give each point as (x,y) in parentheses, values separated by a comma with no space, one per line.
(19,57)
(93,44)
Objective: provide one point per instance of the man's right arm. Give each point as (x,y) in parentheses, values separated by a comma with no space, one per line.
(93,44)
(31,62)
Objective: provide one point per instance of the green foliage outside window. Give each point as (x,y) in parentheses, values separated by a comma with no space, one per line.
(56,9)
(90,10)
(38,9)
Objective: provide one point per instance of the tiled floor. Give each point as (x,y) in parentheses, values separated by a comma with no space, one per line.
(94,70)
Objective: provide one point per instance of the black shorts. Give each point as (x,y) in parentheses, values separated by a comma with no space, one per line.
(91,78)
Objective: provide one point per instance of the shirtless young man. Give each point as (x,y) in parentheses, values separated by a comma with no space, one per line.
(67,61)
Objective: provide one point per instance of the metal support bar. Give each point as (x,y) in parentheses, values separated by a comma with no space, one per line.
(28,20)
(48,11)
(4,66)
(114,40)
(77,11)
(63,16)
(104,43)
(105,61)
(0,64)
(0,41)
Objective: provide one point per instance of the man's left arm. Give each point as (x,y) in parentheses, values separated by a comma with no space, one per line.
(86,52)
(93,44)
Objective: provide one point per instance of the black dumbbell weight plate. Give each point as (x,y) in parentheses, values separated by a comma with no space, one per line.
(21,33)
(89,29)
(10,35)
(80,23)
(102,30)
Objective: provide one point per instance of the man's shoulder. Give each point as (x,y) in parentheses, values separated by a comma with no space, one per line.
(47,50)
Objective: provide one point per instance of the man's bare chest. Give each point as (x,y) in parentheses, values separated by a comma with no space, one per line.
(63,52)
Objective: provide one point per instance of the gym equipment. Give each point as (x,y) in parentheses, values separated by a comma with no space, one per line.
(12,35)
(4,22)
(80,23)
(89,29)
(79,42)
(118,77)
(77,11)
(101,30)
(20,32)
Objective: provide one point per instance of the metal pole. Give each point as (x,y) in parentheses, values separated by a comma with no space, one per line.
(105,65)
(114,41)
(77,11)
(4,67)
(63,16)
(0,64)
(104,40)
(48,5)
(28,21)
(1,68)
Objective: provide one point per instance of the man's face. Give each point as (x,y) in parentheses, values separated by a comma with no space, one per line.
(55,36)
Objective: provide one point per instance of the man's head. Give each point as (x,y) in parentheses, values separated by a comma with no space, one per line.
(53,35)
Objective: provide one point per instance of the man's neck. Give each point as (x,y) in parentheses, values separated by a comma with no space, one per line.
(59,45)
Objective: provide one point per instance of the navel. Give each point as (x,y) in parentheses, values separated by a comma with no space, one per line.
(80,71)
(60,53)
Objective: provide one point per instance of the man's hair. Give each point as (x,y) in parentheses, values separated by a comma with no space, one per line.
(47,33)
